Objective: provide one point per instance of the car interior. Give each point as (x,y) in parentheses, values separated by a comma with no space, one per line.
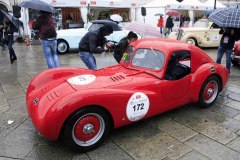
(178,66)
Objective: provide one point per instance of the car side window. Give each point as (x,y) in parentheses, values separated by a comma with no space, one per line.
(148,58)
(179,65)
(95,26)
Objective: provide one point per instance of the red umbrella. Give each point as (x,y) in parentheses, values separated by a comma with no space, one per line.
(173,13)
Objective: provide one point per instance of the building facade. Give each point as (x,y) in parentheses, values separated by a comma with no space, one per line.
(6,5)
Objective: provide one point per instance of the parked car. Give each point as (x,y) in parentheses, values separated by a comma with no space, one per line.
(70,38)
(236,54)
(155,75)
(203,34)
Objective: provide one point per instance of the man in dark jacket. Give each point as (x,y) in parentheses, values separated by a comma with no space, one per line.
(120,48)
(226,46)
(94,42)
(45,24)
(169,25)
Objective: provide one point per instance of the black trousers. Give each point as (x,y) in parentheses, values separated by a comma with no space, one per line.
(9,43)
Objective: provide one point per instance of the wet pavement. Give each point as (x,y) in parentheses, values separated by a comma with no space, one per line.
(187,133)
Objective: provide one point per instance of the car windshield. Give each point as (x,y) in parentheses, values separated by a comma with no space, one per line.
(203,23)
(148,58)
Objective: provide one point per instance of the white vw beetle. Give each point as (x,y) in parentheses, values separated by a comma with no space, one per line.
(70,38)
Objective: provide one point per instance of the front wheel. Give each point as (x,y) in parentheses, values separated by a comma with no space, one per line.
(86,129)
(209,92)
(62,47)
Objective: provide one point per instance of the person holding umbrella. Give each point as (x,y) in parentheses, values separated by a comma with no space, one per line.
(7,37)
(226,46)
(161,24)
(94,42)
(45,24)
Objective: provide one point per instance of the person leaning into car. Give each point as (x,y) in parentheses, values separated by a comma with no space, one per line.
(45,24)
(226,46)
(120,48)
(94,42)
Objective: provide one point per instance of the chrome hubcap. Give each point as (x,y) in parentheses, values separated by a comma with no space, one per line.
(88,129)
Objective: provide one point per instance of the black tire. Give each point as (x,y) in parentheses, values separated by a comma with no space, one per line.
(192,41)
(209,92)
(235,62)
(80,129)
(62,46)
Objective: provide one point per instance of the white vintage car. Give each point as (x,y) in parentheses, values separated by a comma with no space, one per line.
(203,34)
(70,38)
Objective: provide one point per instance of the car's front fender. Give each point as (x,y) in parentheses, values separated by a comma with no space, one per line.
(49,119)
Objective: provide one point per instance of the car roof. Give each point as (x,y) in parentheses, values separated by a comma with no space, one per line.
(164,45)
(115,26)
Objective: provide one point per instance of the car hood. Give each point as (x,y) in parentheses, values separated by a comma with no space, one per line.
(103,78)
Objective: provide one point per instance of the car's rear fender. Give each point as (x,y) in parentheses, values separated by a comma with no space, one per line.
(205,71)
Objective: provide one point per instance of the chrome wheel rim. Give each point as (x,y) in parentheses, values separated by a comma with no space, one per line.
(88,129)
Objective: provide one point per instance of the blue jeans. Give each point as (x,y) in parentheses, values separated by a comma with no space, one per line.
(161,30)
(169,30)
(89,60)
(50,52)
(221,51)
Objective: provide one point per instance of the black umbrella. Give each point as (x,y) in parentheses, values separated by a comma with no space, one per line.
(226,17)
(37,5)
(158,14)
(13,20)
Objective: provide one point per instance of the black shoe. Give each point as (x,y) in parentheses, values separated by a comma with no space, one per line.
(14,59)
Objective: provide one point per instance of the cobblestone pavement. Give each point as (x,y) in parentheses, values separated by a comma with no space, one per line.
(187,133)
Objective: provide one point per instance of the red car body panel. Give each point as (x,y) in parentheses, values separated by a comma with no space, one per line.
(52,97)
(236,53)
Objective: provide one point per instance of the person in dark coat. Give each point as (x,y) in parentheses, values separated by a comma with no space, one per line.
(94,42)
(169,25)
(120,48)
(7,37)
(226,46)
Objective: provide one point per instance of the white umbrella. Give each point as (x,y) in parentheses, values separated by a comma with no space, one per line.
(116,17)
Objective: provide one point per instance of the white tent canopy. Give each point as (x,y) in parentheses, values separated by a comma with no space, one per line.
(210,4)
(161,3)
(173,4)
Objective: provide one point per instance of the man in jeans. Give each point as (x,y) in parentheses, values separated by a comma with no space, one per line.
(226,46)
(94,42)
(46,26)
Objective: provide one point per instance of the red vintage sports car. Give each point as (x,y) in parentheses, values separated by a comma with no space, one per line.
(236,54)
(154,76)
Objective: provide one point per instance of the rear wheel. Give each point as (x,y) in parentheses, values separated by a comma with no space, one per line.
(192,41)
(209,91)
(86,129)
(62,47)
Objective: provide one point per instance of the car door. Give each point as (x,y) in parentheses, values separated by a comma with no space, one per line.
(178,76)
(214,35)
